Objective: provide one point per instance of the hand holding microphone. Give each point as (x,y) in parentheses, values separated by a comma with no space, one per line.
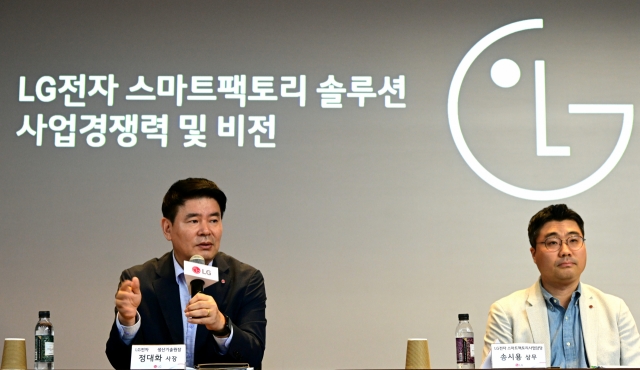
(202,309)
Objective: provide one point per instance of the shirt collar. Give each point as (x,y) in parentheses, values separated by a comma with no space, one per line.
(176,266)
(551,301)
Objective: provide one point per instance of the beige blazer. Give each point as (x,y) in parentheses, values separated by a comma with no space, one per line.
(610,333)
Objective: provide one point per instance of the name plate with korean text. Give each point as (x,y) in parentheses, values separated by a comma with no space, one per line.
(527,355)
(169,356)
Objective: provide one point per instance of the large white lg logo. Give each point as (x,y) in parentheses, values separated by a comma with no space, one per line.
(506,73)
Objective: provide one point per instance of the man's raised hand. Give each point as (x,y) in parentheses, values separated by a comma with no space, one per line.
(128,299)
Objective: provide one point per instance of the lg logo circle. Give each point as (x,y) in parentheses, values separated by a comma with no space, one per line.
(505,73)
(196,270)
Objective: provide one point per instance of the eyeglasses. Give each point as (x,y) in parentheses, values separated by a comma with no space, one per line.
(553,243)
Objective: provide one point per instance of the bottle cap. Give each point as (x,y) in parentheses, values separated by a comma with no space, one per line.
(463,316)
(44,314)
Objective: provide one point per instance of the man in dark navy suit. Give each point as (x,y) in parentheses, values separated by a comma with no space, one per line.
(225,323)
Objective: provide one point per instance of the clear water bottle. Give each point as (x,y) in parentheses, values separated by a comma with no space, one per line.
(44,342)
(464,343)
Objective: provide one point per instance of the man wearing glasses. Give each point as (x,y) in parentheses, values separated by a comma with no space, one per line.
(579,325)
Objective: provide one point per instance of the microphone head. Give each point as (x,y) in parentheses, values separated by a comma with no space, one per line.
(197,259)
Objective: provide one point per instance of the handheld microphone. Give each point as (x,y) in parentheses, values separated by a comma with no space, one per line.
(197,285)
(199,275)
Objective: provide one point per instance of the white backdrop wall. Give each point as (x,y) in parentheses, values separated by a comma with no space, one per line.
(367,223)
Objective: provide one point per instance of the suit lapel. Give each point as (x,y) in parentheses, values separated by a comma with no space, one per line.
(538,319)
(589,317)
(168,295)
(219,293)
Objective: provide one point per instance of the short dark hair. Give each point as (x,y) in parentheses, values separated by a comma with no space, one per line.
(555,212)
(191,188)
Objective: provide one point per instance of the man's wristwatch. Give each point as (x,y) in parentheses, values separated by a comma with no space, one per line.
(226,329)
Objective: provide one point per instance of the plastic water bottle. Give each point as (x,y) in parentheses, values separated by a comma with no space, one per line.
(44,342)
(464,343)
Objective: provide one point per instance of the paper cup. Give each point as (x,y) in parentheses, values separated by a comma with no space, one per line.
(14,355)
(418,354)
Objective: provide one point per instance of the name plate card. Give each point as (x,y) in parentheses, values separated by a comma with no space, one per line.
(168,356)
(528,355)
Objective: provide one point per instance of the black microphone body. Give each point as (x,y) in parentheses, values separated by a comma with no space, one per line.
(197,286)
